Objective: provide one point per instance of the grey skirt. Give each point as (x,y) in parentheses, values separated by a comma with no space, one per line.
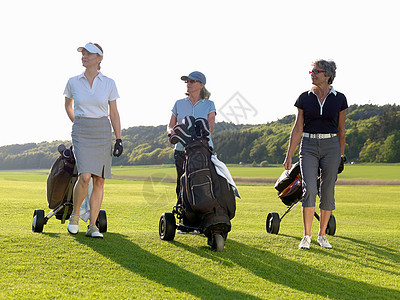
(92,141)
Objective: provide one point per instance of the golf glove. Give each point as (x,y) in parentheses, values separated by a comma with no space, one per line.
(343,159)
(118,148)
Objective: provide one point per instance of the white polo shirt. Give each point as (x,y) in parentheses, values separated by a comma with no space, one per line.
(91,102)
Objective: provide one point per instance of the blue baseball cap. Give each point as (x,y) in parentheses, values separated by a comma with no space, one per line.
(196,75)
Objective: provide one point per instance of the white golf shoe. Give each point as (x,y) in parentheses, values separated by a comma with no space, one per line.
(305,242)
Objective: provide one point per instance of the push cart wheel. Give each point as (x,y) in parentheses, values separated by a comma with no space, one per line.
(273,223)
(101,221)
(38,220)
(167,226)
(218,243)
(331,227)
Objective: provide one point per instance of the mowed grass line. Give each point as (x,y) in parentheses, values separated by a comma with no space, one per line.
(355,172)
(132,262)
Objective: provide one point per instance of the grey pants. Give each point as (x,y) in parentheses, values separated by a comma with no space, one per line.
(319,155)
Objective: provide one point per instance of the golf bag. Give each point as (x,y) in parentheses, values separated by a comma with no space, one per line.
(207,199)
(59,179)
(289,185)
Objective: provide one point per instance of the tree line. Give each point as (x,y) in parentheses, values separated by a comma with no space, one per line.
(372,135)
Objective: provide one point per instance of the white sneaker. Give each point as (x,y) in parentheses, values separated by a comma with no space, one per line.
(93,232)
(305,242)
(73,224)
(180,232)
(323,242)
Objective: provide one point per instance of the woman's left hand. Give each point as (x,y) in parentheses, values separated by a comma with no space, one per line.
(343,159)
(118,148)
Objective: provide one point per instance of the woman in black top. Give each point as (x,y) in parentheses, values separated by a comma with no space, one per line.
(321,115)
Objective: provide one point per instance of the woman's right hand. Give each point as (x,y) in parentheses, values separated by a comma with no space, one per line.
(69,108)
(171,125)
(170,131)
(295,137)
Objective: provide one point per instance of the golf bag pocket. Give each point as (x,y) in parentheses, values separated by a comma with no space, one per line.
(292,192)
(201,191)
(287,178)
(289,185)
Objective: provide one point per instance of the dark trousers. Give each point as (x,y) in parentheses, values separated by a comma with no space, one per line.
(179,157)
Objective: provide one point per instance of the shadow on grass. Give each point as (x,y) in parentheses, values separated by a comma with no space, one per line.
(303,278)
(205,252)
(377,254)
(381,251)
(131,256)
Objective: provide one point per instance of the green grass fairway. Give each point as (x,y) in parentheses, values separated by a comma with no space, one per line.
(131,262)
(369,171)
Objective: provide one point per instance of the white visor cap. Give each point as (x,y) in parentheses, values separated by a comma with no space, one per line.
(92,48)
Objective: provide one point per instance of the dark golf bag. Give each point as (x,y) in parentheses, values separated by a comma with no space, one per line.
(208,200)
(289,185)
(59,180)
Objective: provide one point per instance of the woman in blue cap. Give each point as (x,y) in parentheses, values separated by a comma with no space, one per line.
(90,103)
(198,105)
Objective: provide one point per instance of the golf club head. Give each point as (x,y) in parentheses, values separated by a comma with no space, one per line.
(181,135)
(202,128)
(189,122)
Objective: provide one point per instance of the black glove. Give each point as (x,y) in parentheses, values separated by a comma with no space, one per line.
(118,148)
(343,159)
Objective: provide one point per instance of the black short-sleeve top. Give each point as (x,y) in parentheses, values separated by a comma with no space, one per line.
(321,118)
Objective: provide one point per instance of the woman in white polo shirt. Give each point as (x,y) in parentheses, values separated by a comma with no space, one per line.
(90,103)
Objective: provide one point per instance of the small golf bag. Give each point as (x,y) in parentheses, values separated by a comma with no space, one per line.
(289,185)
(59,180)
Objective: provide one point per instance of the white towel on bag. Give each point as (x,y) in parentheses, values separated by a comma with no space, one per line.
(84,210)
(223,171)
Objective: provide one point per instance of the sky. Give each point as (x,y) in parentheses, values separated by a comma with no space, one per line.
(255,54)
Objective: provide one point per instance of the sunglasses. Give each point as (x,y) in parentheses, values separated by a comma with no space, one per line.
(191,81)
(315,72)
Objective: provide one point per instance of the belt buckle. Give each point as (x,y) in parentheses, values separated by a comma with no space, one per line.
(320,136)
